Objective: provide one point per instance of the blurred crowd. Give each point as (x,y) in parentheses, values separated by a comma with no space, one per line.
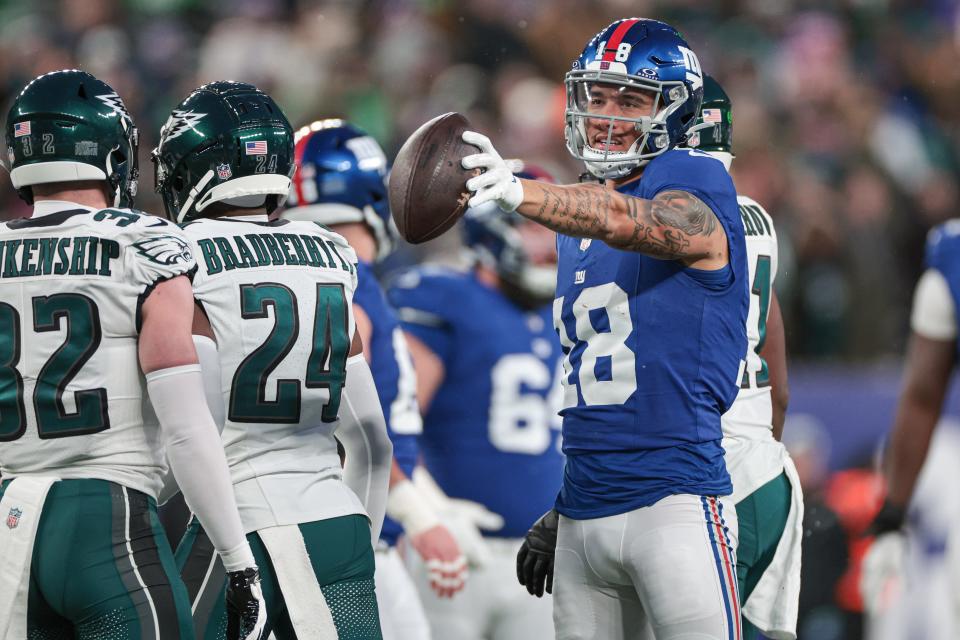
(845,113)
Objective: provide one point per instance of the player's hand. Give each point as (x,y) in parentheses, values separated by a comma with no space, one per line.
(246,609)
(535,558)
(466,519)
(882,571)
(446,564)
(497,182)
(463,518)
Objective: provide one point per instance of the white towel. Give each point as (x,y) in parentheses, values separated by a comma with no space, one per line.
(19,516)
(772,606)
(309,613)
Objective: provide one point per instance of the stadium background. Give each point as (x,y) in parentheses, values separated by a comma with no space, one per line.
(846,121)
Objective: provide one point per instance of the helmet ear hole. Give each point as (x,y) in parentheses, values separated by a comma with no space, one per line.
(118,156)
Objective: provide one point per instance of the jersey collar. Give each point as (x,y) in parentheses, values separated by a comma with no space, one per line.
(256,217)
(46,207)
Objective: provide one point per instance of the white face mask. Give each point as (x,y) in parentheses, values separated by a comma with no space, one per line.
(539,281)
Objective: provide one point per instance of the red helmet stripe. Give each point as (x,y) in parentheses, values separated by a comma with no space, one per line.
(298,151)
(613,43)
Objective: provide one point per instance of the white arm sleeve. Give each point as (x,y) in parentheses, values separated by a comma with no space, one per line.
(196,458)
(209,359)
(363,433)
(933,315)
(210,368)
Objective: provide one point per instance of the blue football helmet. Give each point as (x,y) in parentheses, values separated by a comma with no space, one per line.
(494,238)
(634,53)
(341,177)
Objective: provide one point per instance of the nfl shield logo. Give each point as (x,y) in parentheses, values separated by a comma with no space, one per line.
(224,172)
(13,518)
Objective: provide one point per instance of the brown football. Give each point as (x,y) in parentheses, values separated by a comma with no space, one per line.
(428,191)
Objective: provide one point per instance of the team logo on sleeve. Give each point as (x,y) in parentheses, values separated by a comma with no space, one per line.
(13,518)
(166,250)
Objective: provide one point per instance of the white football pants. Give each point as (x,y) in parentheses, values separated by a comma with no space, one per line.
(492,606)
(671,565)
(401,614)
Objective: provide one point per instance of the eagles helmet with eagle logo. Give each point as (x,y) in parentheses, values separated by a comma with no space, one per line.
(634,53)
(68,126)
(226,142)
(714,128)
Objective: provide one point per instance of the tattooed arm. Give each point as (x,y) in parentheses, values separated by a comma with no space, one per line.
(675,225)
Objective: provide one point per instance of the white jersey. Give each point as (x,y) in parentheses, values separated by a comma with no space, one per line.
(753,456)
(72,396)
(278,296)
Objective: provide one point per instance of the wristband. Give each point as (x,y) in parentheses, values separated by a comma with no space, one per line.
(407,506)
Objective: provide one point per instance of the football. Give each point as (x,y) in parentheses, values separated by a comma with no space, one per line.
(427,188)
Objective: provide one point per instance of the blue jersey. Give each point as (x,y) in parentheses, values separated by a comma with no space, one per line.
(943,254)
(653,356)
(393,375)
(491,432)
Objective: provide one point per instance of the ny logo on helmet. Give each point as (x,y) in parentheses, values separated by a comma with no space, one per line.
(694,74)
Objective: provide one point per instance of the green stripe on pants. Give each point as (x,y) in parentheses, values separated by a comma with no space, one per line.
(343,563)
(762,519)
(101,568)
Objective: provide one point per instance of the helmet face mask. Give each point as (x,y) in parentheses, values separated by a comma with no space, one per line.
(67,126)
(342,178)
(629,55)
(227,142)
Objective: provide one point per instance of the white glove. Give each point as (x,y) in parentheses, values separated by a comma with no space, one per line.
(881,578)
(497,182)
(463,518)
(441,554)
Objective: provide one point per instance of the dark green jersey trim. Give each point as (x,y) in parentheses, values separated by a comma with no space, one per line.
(49,220)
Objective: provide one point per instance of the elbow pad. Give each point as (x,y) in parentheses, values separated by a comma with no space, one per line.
(363,432)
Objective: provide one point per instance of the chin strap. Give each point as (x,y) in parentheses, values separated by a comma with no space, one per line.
(208,176)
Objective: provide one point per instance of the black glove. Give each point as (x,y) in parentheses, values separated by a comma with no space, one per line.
(890,518)
(246,610)
(535,558)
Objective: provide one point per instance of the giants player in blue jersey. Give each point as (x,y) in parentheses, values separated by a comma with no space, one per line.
(930,362)
(487,363)
(340,182)
(651,308)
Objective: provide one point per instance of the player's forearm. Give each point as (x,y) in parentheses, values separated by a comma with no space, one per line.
(929,364)
(396,474)
(673,226)
(369,452)
(195,452)
(909,443)
(774,353)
